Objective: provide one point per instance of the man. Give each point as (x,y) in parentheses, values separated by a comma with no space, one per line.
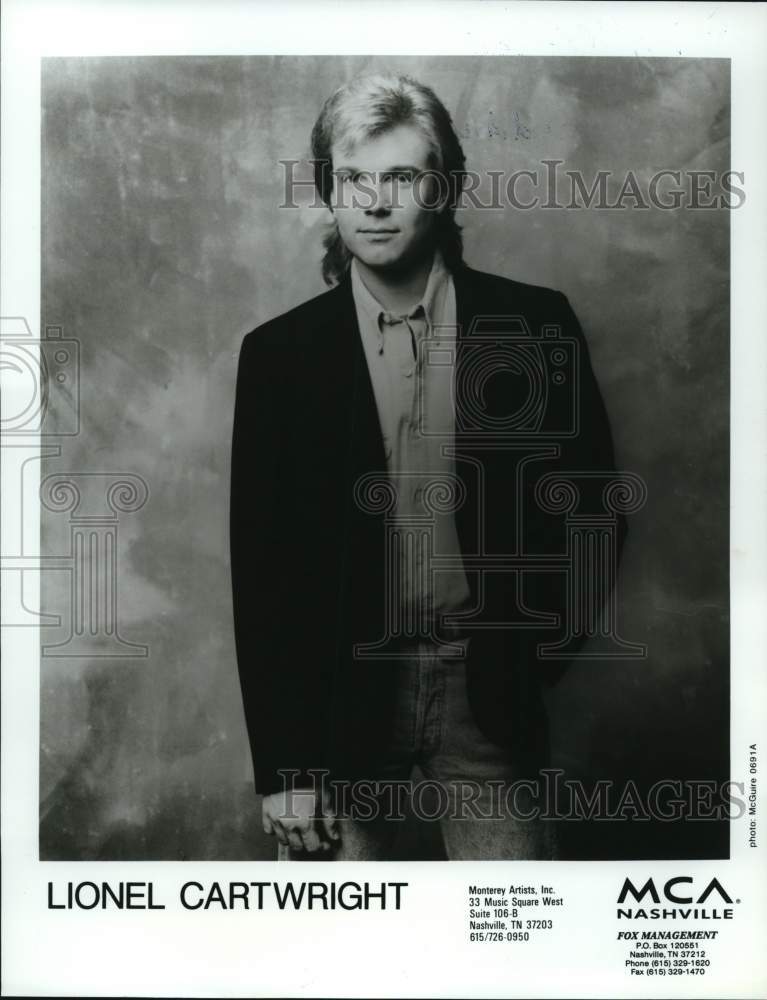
(397,543)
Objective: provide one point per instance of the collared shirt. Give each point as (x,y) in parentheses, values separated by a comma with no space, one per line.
(411,359)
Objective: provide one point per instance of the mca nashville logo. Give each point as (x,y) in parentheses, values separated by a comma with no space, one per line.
(687,901)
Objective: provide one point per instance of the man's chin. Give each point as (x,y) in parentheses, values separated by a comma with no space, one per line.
(381,261)
(391,263)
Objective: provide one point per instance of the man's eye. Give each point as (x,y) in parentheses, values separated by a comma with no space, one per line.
(359,179)
(401,176)
(348,178)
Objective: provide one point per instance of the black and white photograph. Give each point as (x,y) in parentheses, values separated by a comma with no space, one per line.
(380,492)
(478,485)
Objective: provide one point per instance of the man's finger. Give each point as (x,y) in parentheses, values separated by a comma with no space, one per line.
(294,839)
(330,826)
(311,840)
(279,832)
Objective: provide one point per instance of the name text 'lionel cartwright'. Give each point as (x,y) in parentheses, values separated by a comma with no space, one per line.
(229,896)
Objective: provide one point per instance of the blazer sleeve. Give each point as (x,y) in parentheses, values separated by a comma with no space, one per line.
(590,450)
(271,692)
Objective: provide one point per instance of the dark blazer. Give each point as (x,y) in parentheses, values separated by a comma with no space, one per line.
(307,560)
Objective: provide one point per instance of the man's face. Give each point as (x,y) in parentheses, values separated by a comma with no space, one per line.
(383,208)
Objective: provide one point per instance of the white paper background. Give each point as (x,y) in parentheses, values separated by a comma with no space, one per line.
(423,949)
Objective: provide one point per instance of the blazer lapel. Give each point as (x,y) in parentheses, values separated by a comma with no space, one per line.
(467,516)
(366,446)
(362,554)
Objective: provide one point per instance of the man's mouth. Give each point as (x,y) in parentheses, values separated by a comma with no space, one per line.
(378,232)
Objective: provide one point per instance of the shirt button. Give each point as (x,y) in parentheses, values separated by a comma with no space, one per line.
(409,373)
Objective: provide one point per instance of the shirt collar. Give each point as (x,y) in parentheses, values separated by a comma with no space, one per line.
(433,295)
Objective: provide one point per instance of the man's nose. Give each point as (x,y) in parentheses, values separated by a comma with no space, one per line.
(381,200)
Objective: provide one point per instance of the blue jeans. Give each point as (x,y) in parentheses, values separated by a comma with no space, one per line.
(469,785)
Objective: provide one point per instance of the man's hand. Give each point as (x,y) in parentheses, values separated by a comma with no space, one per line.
(295,820)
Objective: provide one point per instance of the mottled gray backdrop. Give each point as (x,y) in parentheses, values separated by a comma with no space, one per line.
(163,245)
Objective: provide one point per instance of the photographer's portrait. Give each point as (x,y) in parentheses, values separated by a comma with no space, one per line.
(418,370)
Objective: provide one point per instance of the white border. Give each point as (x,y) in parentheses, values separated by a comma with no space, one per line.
(424,952)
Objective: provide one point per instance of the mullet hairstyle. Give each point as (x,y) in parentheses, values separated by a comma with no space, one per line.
(370,106)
